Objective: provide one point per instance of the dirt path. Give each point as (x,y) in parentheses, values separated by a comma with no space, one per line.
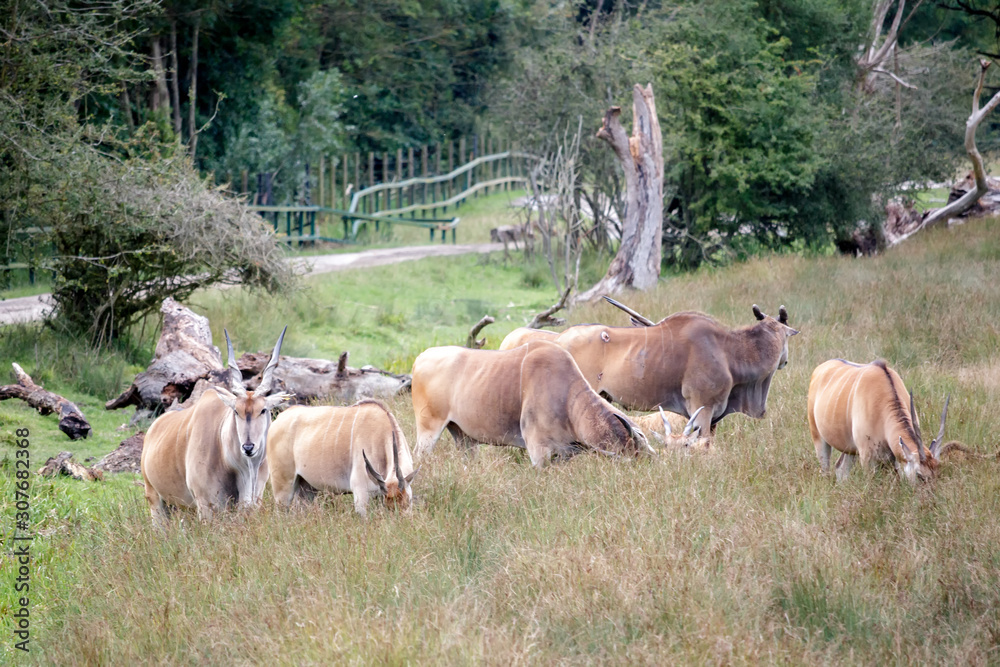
(32,308)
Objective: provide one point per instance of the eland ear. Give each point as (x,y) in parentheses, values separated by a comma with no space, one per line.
(274,400)
(226,396)
(908,454)
(409,478)
(756,312)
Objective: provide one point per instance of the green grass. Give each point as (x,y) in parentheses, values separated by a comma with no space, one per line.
(744,555)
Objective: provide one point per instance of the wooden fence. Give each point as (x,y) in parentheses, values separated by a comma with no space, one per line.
(410,190)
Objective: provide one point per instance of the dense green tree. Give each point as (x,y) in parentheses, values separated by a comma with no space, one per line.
(123,221)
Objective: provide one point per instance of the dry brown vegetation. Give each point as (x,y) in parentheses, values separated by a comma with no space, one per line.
(744,555)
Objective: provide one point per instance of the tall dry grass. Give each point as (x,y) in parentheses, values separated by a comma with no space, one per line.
(744,555)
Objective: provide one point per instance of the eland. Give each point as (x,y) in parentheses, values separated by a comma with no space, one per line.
(213,454)
(532,397)
(341,450)
(681,363)
(858,410)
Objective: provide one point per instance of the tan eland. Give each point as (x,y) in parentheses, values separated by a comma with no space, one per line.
(532,397)
(681,363)
(858,410)
(213,454)
(340,450)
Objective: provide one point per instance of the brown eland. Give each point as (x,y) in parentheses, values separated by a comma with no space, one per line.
(681,363)
(340,450)
(532,397)
(214,453)
(858,410)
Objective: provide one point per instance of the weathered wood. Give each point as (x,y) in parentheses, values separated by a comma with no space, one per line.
(186,364)
(184,354)
(958,206)
(471,342)
(71,420)
(125,458)
(637,263)
(322,379)
(63,464)
(545,319)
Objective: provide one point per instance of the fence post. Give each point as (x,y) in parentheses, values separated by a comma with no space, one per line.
(410,165)
(423,173)
(461,159)
(322,181)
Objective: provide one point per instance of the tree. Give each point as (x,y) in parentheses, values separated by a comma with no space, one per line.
(637,263)
(127,219)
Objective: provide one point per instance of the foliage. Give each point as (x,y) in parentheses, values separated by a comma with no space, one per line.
(127,222)
(766,142)
(285,139)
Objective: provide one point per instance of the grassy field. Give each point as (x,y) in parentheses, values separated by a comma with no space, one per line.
(744,555)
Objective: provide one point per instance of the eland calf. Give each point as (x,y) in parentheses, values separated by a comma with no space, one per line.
(341,450)
(532,397)
(858,410)
(213,454)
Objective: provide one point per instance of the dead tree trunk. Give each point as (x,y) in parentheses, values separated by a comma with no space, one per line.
(184,354)
(637,263)
(969,199)
(879,48)
(71,420)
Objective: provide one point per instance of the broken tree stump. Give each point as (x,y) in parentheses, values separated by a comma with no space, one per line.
(184,354)
(63,464)
(71,420)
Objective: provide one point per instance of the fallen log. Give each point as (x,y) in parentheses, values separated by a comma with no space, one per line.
(63,464)
(184,354)
(186,364)
(71,420)
(125,458)
(321,379)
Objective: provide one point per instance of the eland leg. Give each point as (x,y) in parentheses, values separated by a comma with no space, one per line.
(844,465)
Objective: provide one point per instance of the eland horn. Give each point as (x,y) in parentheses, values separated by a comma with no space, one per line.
(267,377)
(235,375)
(936,442)
(644,321)
(400,480)
(756,312)
(690,425)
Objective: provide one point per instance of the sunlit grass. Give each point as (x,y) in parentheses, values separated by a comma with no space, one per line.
(745,555)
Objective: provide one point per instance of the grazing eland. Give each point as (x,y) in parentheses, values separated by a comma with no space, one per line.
(213,454)
(340,450)
(532,397)
(858,410)
(685,361)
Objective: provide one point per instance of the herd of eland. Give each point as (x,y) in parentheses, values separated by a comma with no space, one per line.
(552,394)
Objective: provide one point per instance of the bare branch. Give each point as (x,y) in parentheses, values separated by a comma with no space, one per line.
(545,319)
(471,342)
